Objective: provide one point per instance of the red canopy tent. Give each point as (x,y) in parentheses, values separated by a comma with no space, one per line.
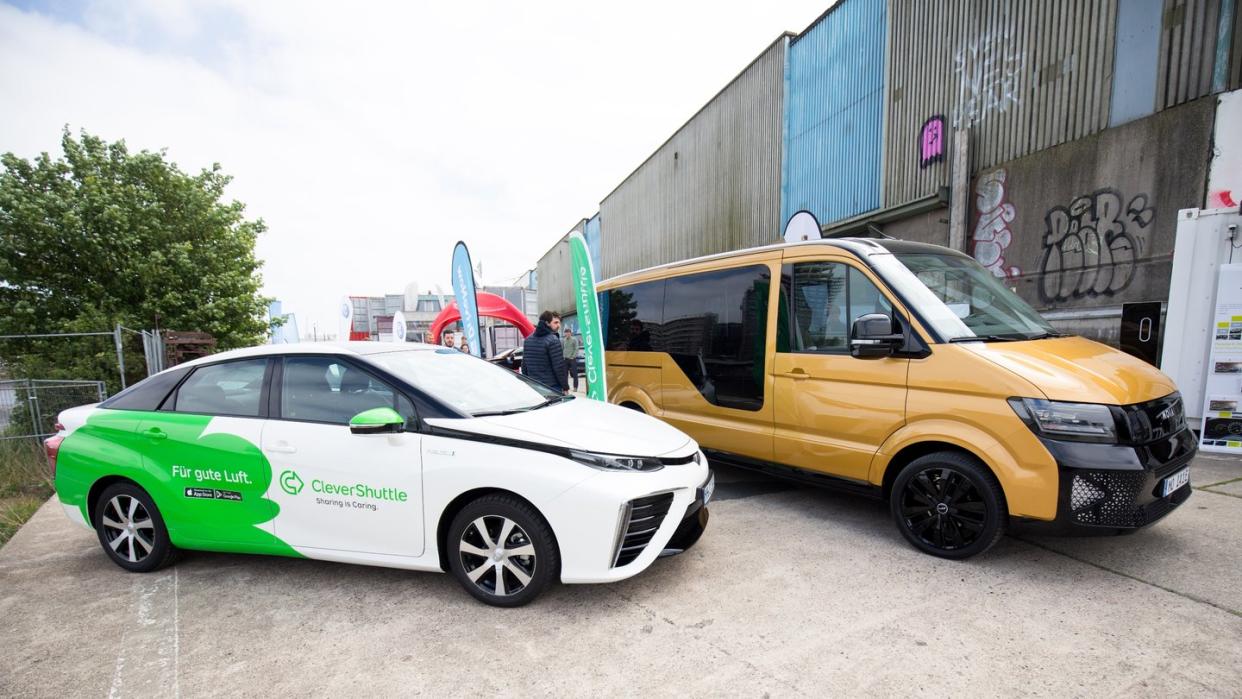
(490,305)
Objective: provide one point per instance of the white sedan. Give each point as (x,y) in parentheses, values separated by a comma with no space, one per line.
(407,456)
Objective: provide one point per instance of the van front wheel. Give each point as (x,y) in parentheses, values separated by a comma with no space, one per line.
(949,505)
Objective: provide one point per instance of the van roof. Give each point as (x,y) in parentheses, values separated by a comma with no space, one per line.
(861,247)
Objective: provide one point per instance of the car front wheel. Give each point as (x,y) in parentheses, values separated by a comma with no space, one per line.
(949,505)
(131,529)
(502,551)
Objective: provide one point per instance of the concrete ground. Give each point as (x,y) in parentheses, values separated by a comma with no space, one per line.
(792,591)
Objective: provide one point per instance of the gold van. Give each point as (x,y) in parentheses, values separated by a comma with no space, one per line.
(907,371)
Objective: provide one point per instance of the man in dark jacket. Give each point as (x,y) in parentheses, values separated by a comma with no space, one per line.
(542,356)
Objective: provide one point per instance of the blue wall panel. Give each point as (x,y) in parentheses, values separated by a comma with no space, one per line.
(834,114)
(591,233)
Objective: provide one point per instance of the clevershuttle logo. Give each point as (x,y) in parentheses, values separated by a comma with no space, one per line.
(291,483)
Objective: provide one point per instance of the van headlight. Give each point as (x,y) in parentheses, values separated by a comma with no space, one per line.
(613,462)
(1084,422)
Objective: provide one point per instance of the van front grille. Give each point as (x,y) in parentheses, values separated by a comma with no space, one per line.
(643,517)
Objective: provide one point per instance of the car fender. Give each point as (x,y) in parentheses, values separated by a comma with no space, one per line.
(1026,471)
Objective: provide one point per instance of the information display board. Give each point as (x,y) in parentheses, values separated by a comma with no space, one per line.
(1222,415)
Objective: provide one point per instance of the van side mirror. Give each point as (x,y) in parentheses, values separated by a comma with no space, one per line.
(872,336)
(377,421)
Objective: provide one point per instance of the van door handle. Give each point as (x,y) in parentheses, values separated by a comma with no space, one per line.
(156,434)
(282,448)
(796,374)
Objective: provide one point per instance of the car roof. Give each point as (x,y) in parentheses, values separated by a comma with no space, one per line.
(343,348)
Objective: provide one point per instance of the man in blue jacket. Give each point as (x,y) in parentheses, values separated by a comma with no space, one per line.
(543,358)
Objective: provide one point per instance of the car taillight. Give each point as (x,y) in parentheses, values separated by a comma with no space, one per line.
(51,446)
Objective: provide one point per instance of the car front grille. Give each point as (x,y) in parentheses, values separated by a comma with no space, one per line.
(642,518)
(1116,498)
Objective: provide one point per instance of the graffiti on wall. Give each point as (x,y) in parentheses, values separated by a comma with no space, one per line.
(989,77)
(931,141)
(1090,247)
(992,235)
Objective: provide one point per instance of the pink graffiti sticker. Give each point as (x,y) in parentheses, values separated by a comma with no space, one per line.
(992,235)
(931,141)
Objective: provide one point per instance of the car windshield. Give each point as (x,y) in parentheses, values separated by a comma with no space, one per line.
(466,383)
(960,299)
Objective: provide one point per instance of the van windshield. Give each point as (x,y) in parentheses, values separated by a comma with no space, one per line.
(961,299)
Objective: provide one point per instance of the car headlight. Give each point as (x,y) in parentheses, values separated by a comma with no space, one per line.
(613,462)
(1089,422)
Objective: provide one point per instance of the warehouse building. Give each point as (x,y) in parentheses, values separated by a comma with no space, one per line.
(1054,141)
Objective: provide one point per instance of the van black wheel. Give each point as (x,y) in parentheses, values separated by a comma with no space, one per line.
(502,551)
(949,504)
(131,530)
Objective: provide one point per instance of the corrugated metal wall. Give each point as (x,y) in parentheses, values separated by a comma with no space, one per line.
(1188,48)
(713,186)
(554,291)
(1023,76)
(834,113)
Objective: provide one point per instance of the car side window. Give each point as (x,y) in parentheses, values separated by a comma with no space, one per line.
(325,389)
(230,388)
(825,300)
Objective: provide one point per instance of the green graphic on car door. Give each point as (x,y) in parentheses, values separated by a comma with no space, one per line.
(210,486)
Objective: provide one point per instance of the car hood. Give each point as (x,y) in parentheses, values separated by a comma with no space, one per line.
(581,423)
(1079,370)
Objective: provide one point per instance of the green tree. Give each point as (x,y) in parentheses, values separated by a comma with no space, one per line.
(103,236)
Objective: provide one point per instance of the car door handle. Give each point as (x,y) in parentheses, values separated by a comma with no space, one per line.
(796,374)
(282,448)
(156,433)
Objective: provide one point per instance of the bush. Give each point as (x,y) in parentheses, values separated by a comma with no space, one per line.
(25,483)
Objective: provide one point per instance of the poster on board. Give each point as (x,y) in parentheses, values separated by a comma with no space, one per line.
(1222,418)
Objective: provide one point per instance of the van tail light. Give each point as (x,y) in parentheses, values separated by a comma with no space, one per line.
(51,447)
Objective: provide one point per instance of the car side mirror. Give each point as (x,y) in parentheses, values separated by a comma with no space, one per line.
(377,421)
(872,336)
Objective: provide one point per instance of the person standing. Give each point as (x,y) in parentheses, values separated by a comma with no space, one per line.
(571,356)
(543,359)
(447,339)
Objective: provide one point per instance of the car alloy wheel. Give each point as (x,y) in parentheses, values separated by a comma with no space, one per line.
(128,528)
(944,509)
(497,555)
(949,504)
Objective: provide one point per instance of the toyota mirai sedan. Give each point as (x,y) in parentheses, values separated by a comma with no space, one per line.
(406,456)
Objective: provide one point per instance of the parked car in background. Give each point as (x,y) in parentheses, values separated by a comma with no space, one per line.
(907,371)
(510,359)
(408,457)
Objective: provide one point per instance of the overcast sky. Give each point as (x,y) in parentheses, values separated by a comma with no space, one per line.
(371,138)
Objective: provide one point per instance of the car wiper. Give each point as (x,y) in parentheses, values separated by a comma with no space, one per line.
(1045,336)
(513,411)
(550,401)
(490,413)
(986,338)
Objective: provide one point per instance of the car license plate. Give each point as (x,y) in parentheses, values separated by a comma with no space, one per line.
(1176,481)
(709,489)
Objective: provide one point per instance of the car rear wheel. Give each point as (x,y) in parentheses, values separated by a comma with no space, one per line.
(949,505)
(502,551)
(131,530)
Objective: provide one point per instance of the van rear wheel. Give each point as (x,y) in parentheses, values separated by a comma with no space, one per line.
(948,504)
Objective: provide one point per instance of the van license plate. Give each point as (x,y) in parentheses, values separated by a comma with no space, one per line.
(1176,481)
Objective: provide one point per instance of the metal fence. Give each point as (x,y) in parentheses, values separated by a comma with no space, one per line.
(28,407)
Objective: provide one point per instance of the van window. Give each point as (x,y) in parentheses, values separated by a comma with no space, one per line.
(715,327)
(634,317)
(827,297)
(230,388)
